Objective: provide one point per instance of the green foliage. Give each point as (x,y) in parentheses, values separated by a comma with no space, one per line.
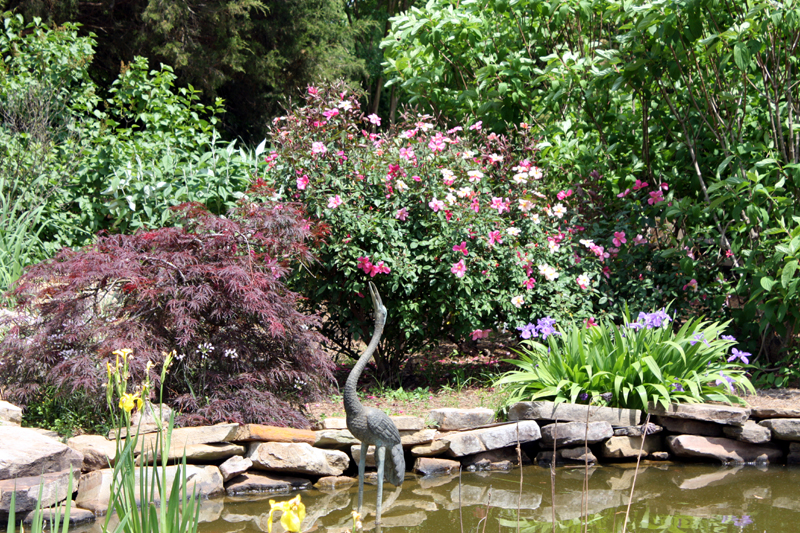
(409,208)
(629,366)
(66,414)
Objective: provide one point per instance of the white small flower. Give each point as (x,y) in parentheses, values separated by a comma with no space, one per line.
(553,246)
(535,173)
(463,192)
(518,301)
(475,175)
(525,205)
(535,218)
(345,105)
(559,210)
(468,154)
(450,199)
(401,186)
(514,232)
(521,178)
(548,272)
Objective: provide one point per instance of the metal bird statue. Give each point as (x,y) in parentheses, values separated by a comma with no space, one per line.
(373,426)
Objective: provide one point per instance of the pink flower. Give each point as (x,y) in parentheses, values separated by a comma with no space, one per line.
(402,214)
(619,238)
(364,264)
(436,205)
(564,194)
(607,272)
(379,268)
(407,153)
(480,334)
(330,113)
(313,91)
(416,178)
(589,322)
(436,144)
(334,202)
(477,126)
(302,182)
(495,238)
(639,185)
(665,186)
(624,194)
(500,205)
(459,269)
(529,283)
(691,285)
(475,206)
(318,148)
(656,197)
(461,248)
(639,240)
(374,119)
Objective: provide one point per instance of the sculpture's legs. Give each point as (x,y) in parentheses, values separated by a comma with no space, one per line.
(380,451)
(362,465)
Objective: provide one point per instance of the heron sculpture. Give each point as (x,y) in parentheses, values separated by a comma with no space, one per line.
(373,426)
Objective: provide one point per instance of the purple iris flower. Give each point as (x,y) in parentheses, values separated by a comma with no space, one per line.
(743,521)
(738,354)
(528,331)
(725,380)
(698,338)
(545,327)
(728,338)
(677,387)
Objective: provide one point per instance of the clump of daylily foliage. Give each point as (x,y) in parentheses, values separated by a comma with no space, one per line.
(630,365)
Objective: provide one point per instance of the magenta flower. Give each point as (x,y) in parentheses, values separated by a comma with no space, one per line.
(564,194)
(500,205)
(436,205)
(691,285)
(477,126)
(623,194)
(407,153)
(619,238)
(379,268)
(318,148)
(374,119)
(589,322)
(461,248)
(334,202)
(330,113)
(639,185)
(476,205)
(313,91)
(302,182)
(495,238)
(459,269)
(402,214)
(364,264)
(656,197)
(529,283)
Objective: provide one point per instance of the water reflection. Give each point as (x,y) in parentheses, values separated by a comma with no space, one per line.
(674,498)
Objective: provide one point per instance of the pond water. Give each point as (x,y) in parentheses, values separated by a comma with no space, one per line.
(671,498)
(674,498)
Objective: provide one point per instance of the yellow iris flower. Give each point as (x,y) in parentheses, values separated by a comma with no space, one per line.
(294,512)
(128,400)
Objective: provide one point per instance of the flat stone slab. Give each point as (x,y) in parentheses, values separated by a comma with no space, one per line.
(200,453)
(263,433)
(570,433)
(492,438)
(251,483)
(636,431)
(415,438)
(334,438)
(629,447)
(234,466)
(54,487)
(750,432)
(783,428)
(25,452)
(485,460)
(333,483)
(195,435)
(403,423)
(298,458)
(688,426)
(77,516)
(437,447)
(94,489)
(98,452)
(579,455)
(721,414)
(429,466)
(765,412)
(721,449)
(571,412)
(10,414)
(448,419)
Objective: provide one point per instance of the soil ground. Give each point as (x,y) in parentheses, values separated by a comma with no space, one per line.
(461,377)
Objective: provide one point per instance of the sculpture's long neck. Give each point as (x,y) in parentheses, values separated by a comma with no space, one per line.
(351,403)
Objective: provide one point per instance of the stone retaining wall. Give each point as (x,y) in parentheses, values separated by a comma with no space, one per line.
(233,459)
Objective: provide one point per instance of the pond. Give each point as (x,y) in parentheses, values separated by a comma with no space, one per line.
(667,497)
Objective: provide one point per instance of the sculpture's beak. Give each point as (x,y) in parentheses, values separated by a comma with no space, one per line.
(377,304)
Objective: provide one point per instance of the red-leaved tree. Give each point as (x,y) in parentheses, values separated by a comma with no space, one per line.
(211,288)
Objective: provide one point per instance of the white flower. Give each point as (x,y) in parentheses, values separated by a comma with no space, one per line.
(401,186)
(559,210)
(548,272)
(494,158)
(475,175)
(535,173)
(525,205)
(468,154)
(535,218)
(521,178)
(514,232)
(583,281)
(450,199)
(553,246)
(587,242)
(463,192)
(345,105)
(518,301)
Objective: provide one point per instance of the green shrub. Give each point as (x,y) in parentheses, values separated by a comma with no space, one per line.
(630,365)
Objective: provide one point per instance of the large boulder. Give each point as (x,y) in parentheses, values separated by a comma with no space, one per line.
(573,433)
(25,452)
(688,426)
(723,450)
(94,490)
(629,447)
(298,457)
(98,452)
(750,432)
(428,466)
(54,488)
(10,414)
(491,438)
(571,412)
(783,428)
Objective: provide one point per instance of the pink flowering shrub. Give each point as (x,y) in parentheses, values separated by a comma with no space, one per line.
(453,226)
